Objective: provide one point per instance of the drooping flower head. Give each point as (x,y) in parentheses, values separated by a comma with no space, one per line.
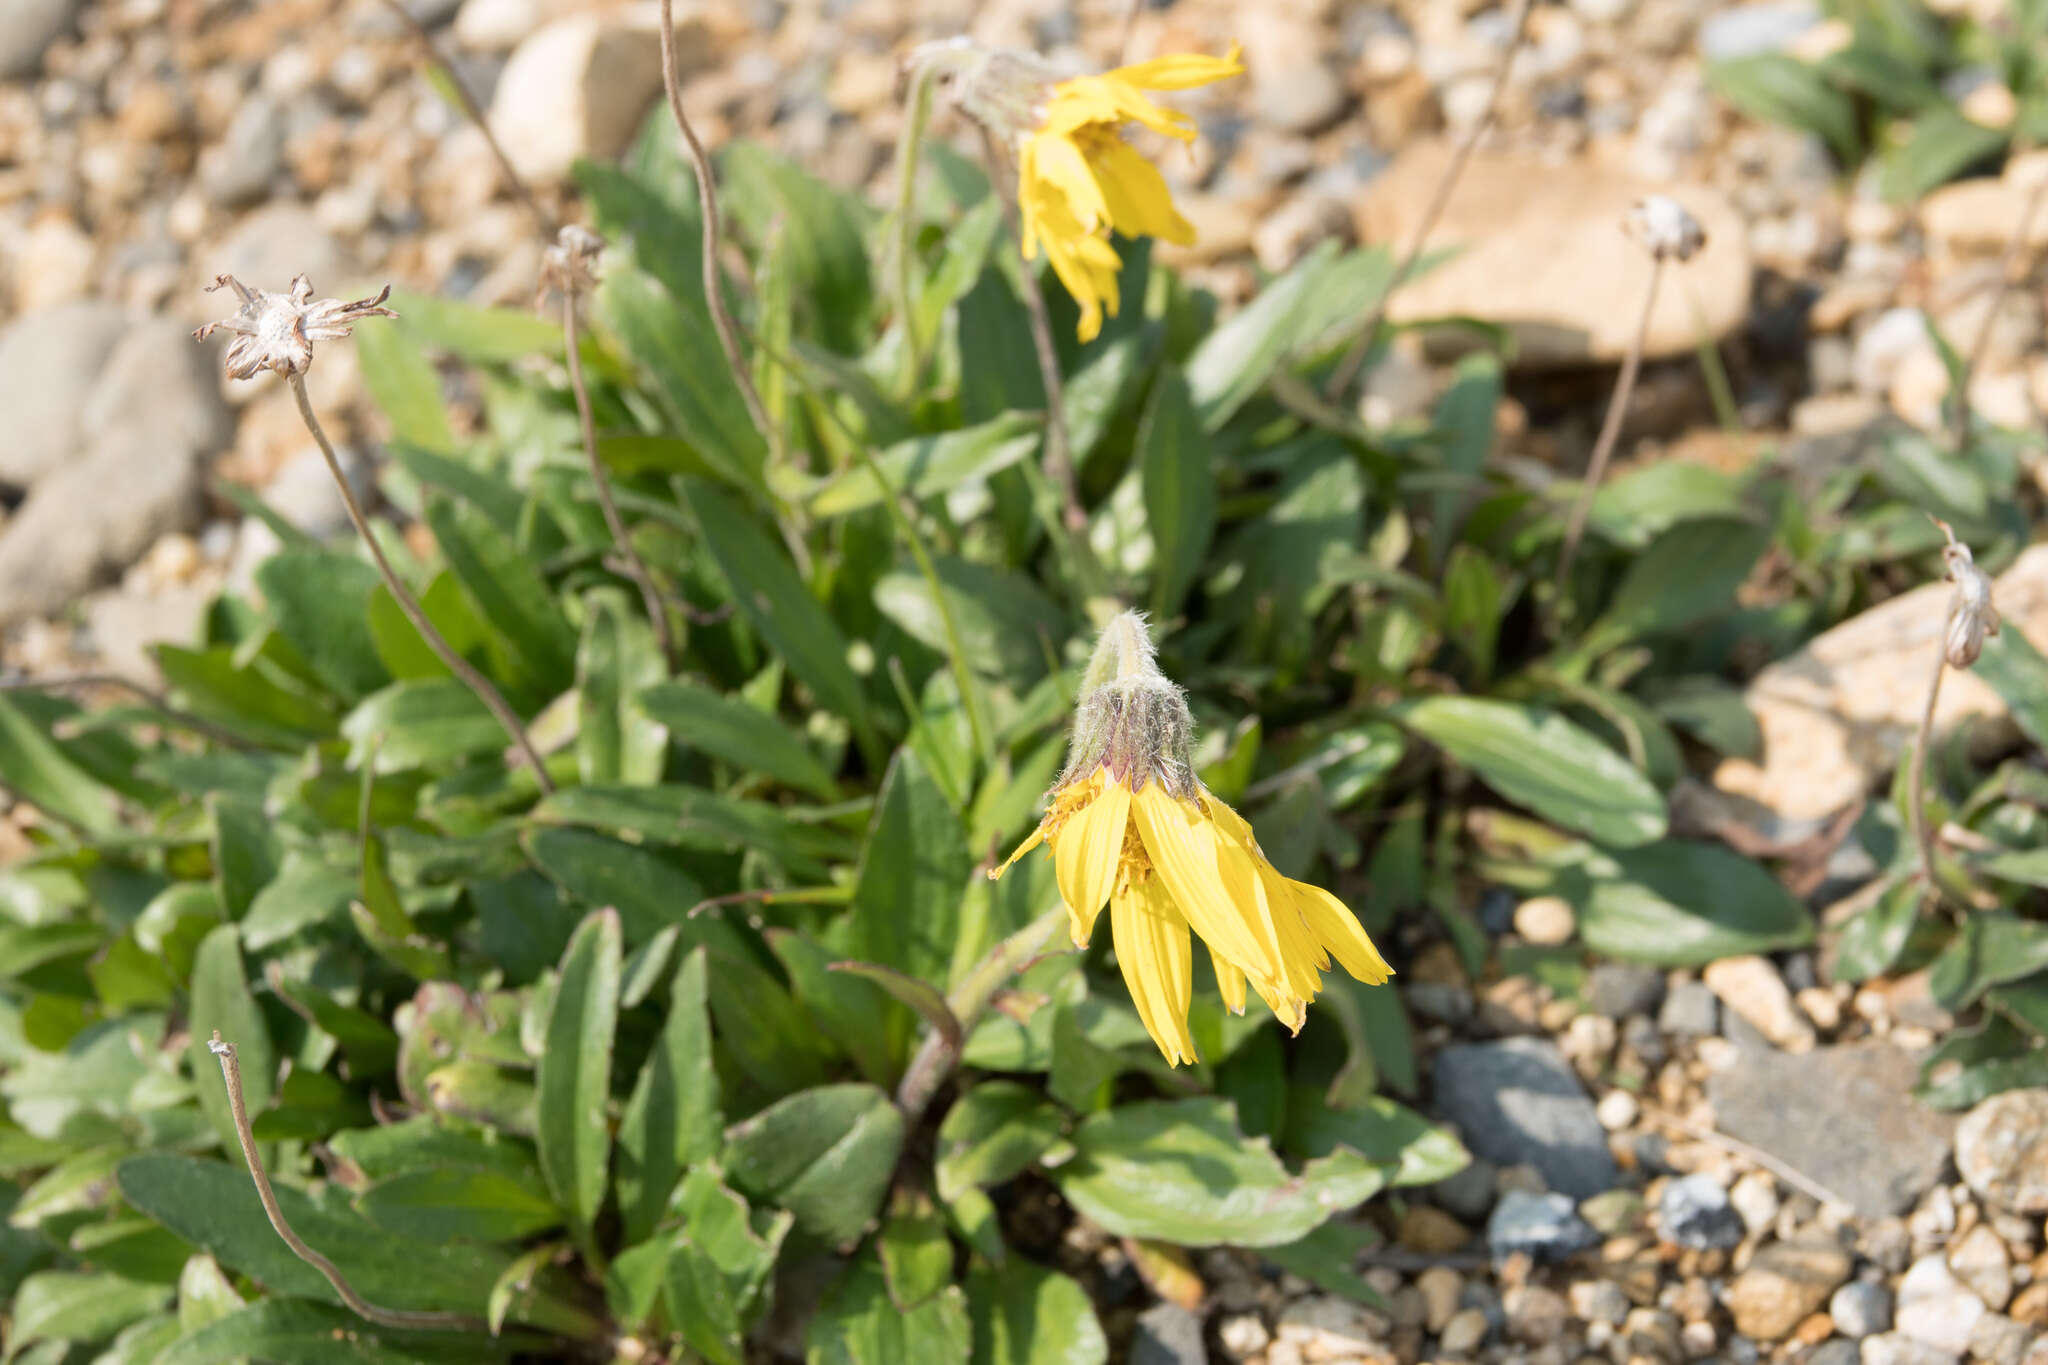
(277,331)
(570,265)
(1078,179)
(1973,617)
(1131,825)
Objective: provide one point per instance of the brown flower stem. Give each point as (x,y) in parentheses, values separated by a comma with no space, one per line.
(938,1055)
(1916,781)
(1059,448)
(401,1319)
(158,702)
(707,201)
(1610,430)
(637,569)
(1354,359)
(1959,407)
(445,652)
(475,114)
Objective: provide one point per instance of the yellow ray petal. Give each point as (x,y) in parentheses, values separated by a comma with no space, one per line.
(1154,953)
(1031,841)
(1181,843)
(1085,853)
(1263,896)
(1333,924)
(1180,70)
(1229,982)
(1058,164)
(1135,193)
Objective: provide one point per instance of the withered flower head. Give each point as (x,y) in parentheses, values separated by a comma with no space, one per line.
(1002,89)
(1663,225)
(277,331)
(1972,615)
(570,265)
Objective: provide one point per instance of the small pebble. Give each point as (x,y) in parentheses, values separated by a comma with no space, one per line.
(1546,920)
(1617,1110)
(1464,1332)
(1861,1308)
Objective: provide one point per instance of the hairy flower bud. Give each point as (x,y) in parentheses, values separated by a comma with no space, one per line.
(1972,616)
(1131,719)
(1664,225)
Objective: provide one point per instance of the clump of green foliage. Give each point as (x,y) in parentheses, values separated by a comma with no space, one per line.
(611,1065)
(1886,93)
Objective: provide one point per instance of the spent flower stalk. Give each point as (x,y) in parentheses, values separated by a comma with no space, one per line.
(1970,619)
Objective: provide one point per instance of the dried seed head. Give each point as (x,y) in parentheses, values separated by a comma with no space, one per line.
(1131,720)
(1663,225)
(277,331)
(1972,616)
(1001,89)
(570,265)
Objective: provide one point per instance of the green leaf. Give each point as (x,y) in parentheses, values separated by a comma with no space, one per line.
(319,600)
(221,1000)
(917,1256)
(1007,625)
(719,1264)
(404,653)
(857,1015)
(1461,441)
(825,1154)
(1026,1314)
(427,722)
(482,335)
(60,1305)
(315,1334)
(739,733)
(1181,1171)
(1779,88)
(775,602)
(618,657)
(575,1070)
(1633,509)
(856,1324)
(649,891)
(913,876)
(1940,146)
(2018,673)
(818,228)
(926,466)
(1680,904)
(1991,949)
(536,646)
(204,1294)
(1543,761)
(40,771)
(993,1132)
(670,338)
(1688,573)
(245,855)
(1871,943)
(1415,1151)
(452,1204)
(1325,1259)
(1175,463)
(404,384)
(672,1121)
(307,890)
(1234,362)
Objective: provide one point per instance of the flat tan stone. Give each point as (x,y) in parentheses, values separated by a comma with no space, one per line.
(1839,715)
(1543,253)
(1983,214)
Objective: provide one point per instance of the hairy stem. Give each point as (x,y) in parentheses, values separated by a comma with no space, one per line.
(1610,430)
(475,114)
(636,567)
(1354,359)
(1959,401)
(937,1056)
(707,200)
(401,1319)
(1059,448)
(410,605)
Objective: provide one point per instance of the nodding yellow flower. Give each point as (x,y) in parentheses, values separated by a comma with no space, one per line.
(1129,824)
(1078,179)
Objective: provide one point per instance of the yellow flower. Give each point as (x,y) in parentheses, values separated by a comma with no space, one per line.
(1078,179)
(1130,825)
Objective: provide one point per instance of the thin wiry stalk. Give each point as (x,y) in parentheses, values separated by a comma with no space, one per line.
(399,1318)
(158,702)
(1059,448)
(1354,359)
(1916,781)
(475,114)
(1959,401)
(637,570)
(707,199)
(410,605)
(938,1055)
(1610,429)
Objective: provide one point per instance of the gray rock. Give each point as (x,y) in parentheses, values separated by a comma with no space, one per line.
(1469,1194)
(125,628)
(1293,88)
(48,362)
(27,28)
(1793,1107)
(237,171)
(1935,1308)
(2002,1150)
(1621,989)
(1998,1340)
(1443,1001)
(1835,1352)
(1544,1226)
(1861,1308)
(158,377)
(1518,1101)
(1747,30)
(1168,1335)
(1896,1348)
(1695,1213)
(94,517)
(1691,1011)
